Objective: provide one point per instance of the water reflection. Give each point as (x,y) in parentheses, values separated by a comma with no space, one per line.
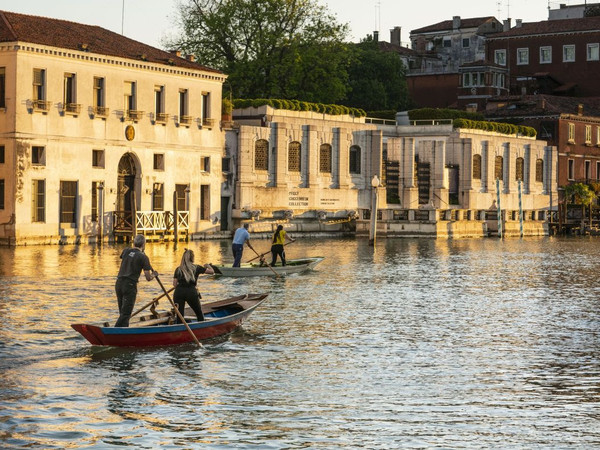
(422,343)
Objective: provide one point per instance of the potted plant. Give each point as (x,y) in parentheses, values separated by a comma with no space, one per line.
(227,108)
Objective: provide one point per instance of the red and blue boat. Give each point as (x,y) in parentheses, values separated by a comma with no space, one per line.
(221,318)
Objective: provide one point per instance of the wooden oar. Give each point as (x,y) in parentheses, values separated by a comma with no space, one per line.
(266,253)
(272,270)
(151,303)
(177,311)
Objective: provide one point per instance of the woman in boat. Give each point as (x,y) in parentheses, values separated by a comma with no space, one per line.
(184,281)
(279,238)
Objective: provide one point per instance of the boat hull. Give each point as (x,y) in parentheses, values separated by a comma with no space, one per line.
(221,320)
(252,270)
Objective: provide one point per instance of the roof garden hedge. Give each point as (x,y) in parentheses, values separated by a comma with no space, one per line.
(296,105)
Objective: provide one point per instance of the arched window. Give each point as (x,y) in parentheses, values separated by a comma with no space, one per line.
(355,159)
(261,155)
(477,167)
(519,169)
(294,157)
(539,170)
(499,168)
(325,158)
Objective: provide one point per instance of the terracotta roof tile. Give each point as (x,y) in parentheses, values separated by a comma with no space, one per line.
(71,35)
(550,27)
(448,24)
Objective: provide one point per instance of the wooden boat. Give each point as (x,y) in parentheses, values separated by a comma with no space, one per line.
(221,317)
(255,269)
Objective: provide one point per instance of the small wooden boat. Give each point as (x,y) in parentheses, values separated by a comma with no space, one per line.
(255,269)
(221,317)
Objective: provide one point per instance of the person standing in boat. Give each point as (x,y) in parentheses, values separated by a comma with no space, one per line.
(240,237)
(133,261)
(184,281)
(279,238)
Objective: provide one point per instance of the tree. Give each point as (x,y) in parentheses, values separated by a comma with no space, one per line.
(377,79)
(580,194)
(269,48)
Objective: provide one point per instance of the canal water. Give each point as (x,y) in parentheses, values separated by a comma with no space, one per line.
(414,344)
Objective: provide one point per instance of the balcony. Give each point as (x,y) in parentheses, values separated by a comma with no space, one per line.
(100,111)
(161,118)
(208,123)
(132,114)
(185,120)
(40,106)
(72,108)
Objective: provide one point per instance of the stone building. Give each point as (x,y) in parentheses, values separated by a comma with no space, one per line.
(309,168)
(102,133)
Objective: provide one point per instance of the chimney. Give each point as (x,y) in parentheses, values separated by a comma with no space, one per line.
(190,58)
(580,109)
(176,53)
(376,36)
(506,25)
(518,23)
(542,103)
(395,36)
(455,22)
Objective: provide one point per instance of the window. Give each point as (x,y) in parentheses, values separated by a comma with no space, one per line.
(2,160)
(571,169)
(206,120)
(98,158)
(159,104)
(1,194)
(2,87)
(355,158)
(38,195)
(39,85)
(466,42)
(180,195)
(129,97)
(588,170)
(545,55)
(499,168)
(325,158)
(477,167)
(94,211)
(522,56)
(294,157)
(466,79)
(593,52)
(500,57)
(68,202)
(205,163)
(159,161)
(571,138)
(38,156)
(588,134)
(499,80)
(261,155)
(597,170)
(184,116)
(226,164)
(539,170)
(204,202)
(70,94)
(447,43)
(519,169)
(598,136)
(568,53)
(158,197)
(99,97)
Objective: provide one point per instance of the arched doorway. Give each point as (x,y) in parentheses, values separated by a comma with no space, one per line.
(126,189)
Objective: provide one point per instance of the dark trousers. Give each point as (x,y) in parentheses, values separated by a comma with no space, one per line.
(191,296)
(237,250)
(126,290)
(277,249)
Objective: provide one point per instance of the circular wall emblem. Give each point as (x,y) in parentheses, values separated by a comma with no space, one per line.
(129,132)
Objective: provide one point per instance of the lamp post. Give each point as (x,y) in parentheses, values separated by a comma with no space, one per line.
(373,232)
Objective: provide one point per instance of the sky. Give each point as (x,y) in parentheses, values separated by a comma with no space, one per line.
(149,21)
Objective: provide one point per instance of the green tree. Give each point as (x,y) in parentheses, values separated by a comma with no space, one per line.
(580,194)
(269,48)
(377,79)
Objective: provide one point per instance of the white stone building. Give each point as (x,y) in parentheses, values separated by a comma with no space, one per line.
(95,127)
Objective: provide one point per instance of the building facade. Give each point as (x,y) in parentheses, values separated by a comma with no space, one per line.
(102,134)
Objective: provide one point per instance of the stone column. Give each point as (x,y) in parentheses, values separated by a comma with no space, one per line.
(340,148)
(280,146)
(409,195)
(310,156)
(439,181)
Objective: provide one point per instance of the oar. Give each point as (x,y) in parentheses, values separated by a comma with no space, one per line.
(263,254)
(151,303)
(177,311)
(272,270)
